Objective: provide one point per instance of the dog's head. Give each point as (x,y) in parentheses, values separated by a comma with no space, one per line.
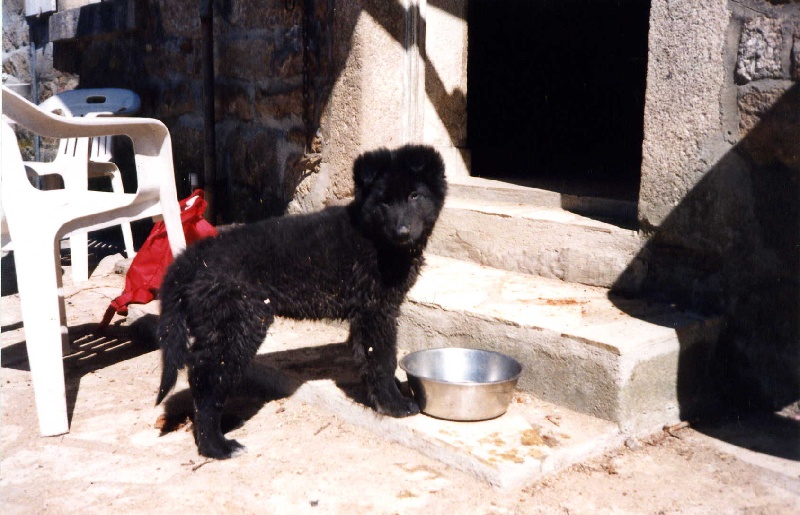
(399,193)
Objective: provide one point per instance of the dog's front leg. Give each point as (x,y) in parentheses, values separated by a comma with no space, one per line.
(373,337)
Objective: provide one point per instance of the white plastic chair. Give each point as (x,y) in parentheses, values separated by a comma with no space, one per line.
(73,154)
(36,220)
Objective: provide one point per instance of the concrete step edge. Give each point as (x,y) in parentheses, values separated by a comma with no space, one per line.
(578,348)
(476,188)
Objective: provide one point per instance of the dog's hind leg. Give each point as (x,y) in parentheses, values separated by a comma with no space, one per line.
(373,337)
(228,330)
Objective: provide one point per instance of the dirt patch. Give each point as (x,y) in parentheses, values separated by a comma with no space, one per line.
(117,456)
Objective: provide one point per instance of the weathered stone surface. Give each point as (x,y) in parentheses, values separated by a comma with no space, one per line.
(547,242)
(620,355)
(184,97)
(16,64)
(233,101)
(796,57)
(15,33)
(755,102)
(183,54)
(177,17)
(685,77)
(254,160)
(278,106)
(92,20)
(260,59)
(771,120)
(445,110)
(255,14)
(760,49)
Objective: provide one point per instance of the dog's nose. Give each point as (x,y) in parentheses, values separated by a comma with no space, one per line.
(402,233)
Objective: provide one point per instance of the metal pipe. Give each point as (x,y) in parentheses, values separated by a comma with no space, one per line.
(33,37)
(209,122)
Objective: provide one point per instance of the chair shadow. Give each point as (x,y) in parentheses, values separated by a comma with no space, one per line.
(272,376)
(91,352)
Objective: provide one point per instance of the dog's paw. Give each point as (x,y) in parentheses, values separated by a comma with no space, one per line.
(222,449)
(397,407)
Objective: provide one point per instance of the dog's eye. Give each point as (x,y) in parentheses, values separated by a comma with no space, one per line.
(413,196)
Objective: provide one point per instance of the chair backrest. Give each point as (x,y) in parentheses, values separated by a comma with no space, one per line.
(80,102)
(92,101)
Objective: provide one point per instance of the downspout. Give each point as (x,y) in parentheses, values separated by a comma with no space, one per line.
(209,123)
(33,37)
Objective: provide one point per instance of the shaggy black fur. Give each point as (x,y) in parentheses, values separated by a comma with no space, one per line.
(354,262)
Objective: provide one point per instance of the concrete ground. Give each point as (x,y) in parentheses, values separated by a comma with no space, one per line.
(312,448)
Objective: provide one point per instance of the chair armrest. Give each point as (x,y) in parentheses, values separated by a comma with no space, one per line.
(151,141)
(149,132)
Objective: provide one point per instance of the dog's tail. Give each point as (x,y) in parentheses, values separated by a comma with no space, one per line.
(173,333)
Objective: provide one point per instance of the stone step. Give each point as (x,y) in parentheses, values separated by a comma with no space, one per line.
(612,358)
(579,200)
(540,240)
(309,363)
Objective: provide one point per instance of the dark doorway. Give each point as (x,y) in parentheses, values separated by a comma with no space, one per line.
(556,93)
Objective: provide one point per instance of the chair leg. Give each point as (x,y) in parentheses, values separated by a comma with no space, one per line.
(38,276)
(127,236)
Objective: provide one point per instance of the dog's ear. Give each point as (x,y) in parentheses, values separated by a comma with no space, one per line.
(368,166)
(422,160)
(427,165)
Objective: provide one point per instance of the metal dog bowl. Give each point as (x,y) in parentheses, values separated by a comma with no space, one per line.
(461,384)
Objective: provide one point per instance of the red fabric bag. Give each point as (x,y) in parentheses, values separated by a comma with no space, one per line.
(149,265)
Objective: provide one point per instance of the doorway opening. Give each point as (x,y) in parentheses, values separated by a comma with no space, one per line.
(556,93)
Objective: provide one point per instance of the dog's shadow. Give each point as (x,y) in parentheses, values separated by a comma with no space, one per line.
(273,376)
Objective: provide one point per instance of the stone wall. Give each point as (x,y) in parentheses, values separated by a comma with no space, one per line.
(259,101)
(720,194)
(371,81)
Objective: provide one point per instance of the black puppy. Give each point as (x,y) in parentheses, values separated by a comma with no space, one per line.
(354,263)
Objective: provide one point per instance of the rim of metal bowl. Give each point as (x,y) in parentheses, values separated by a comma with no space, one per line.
(461,383)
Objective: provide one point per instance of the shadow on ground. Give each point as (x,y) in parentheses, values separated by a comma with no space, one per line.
(732,248)
(272,375)
(91,352)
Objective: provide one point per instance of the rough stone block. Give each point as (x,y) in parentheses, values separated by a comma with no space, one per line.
(253,159)
(16,65)
(257,14)
(796,57)
(178,99)
(278,106)
(769,118)
(178,18)
(754,103)
(548,242)
(759,54)
(93,20)
(233,101)
(15,33)
(255,59)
